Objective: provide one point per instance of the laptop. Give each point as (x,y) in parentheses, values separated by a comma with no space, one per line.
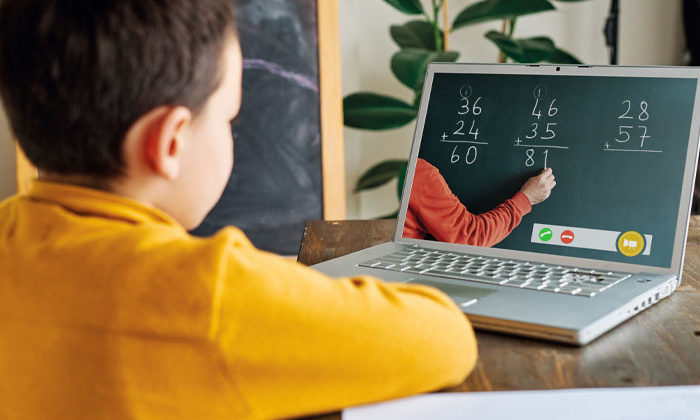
(607,243)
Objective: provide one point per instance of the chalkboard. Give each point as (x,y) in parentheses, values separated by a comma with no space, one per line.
(617,146)
(277,181)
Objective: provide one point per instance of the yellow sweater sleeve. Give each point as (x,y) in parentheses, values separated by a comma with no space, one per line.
(296,342)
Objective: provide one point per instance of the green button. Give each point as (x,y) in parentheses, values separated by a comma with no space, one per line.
(545,234)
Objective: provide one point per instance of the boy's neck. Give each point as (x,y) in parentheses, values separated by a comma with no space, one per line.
(146,193)
(78,180)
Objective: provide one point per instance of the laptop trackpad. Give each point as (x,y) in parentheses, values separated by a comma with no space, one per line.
(461,293)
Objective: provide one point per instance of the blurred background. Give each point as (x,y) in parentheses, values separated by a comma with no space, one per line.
(651,32)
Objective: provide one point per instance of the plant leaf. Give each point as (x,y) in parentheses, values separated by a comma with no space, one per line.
(380,174)
(410,7)
(371,111)
(409,64)
(505,43)
(414,34)
(525,50)
(487,10)
(563,57)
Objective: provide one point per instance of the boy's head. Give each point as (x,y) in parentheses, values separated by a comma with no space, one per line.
(134,96)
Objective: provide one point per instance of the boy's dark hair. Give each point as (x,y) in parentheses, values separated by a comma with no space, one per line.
(76,74)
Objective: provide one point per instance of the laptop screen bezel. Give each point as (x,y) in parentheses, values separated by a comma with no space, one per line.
(562,70)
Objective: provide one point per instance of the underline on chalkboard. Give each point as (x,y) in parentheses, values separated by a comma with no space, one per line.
(541,145)
(632,150)
(464,141)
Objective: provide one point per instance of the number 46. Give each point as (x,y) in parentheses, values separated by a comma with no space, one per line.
(552,110)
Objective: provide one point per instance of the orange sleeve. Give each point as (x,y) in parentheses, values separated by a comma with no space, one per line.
(297,342)
(445,217)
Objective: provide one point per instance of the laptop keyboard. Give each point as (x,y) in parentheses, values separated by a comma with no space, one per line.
(524,275)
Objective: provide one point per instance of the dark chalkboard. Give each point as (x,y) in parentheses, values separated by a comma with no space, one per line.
(276,184)
(617,146)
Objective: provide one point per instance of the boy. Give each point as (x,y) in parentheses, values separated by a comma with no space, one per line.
(435,212)
(108,308)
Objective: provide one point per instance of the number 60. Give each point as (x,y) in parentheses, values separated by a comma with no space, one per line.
(471,151)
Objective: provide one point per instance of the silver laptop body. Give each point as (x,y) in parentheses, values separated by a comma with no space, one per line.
(567,314)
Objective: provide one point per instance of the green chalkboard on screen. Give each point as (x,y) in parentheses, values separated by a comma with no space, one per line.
(617,146)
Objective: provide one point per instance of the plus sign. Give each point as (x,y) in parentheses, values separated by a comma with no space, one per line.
(518,141)
(607,146)
(444,136)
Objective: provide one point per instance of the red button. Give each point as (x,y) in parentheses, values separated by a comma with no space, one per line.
(567,236)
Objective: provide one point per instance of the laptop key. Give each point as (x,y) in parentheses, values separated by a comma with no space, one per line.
(370,263)
(399,267)
(570,290)
(551,288)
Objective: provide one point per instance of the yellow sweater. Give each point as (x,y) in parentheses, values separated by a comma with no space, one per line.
(109,309)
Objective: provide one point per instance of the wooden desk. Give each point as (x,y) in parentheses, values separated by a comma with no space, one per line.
(660,346)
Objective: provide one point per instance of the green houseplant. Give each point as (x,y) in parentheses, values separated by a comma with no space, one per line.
(422,41)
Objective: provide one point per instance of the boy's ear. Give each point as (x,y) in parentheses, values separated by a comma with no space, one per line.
(164,139)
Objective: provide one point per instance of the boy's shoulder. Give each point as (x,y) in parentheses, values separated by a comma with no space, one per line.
(112,263)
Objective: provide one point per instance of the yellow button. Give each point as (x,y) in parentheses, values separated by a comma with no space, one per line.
(630,243)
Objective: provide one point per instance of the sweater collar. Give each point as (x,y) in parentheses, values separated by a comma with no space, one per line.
(90,201)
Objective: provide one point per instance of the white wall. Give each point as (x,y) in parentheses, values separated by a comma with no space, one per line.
(651,32)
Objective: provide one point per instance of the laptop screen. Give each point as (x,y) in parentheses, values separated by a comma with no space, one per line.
(617,147)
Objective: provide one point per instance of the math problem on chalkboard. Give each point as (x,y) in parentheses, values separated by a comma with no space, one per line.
(467,115)
(607,139)
(545,121)
(633,123)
